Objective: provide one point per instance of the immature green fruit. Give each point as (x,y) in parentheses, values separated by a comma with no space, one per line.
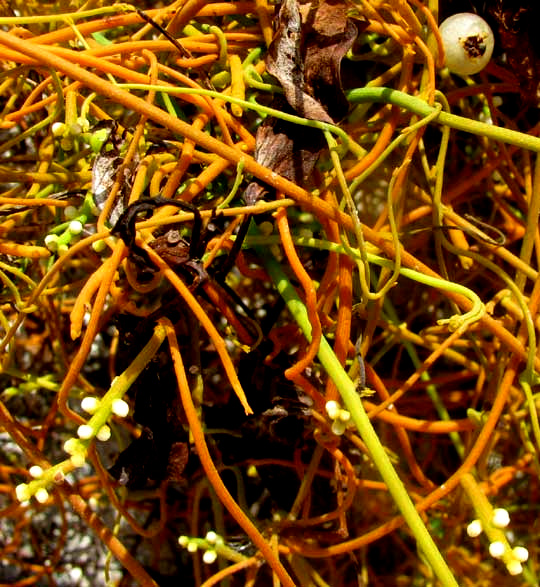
(468,43)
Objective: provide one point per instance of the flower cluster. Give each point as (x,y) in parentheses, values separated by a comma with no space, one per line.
(208,544)
(499,547)
(66,233)
(77,448)
(340,417)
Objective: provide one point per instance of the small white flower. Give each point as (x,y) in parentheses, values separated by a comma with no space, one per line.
(344,415)
(89,404)
(211,537)
(70,446)
(501,518)
(339,427)
(58,129)
(496,549)
(51,242)
(41,495)
(22,492)
(104,433)
(521,553)
(332,409)
(35,471)
(474,529)
(209,557)
(120,408)
(83,123)
(183,540)
(192,547)
(84,432)
(514,568)
(75,227)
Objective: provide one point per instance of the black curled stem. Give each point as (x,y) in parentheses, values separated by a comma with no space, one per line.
(143,209)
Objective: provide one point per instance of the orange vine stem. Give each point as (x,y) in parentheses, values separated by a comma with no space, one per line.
(208,465)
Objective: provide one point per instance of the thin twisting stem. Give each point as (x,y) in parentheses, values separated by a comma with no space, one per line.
(209,467)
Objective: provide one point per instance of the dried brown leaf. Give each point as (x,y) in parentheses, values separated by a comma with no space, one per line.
(328,35)
(306,53)
(305,56)
(285,61)
(287,149)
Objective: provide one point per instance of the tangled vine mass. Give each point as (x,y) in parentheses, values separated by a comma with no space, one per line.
(268,293)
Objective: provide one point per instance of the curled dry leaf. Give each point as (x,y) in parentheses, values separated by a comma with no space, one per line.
(306,53)
(516,23)
(305,56)
(285,61)
(328,38)
(107,164)
(287,149)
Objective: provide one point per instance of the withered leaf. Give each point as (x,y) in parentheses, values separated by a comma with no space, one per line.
(328,35)
(305,56)
(287,149)
(517,27)
(178,458)
(306,53)
(286,62)
(105,169)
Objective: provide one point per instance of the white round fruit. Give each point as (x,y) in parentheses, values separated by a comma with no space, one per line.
(468,43)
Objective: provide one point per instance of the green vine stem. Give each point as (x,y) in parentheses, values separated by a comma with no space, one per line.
(454,322)
(360,418)
(259,108)
(77,448)
(422,108)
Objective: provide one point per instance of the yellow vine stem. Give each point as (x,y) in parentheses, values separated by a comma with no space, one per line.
(230,570)
(79,505)
(44,55)
(208,465)
(56,268)
(77,363)
(109,539)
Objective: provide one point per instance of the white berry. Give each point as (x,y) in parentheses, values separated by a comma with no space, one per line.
(468,43)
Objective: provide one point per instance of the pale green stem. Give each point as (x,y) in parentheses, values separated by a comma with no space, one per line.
(454,322)
(351,399)
(422,108)
(431,389)
(119,387)
(259,108)
(532,225)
